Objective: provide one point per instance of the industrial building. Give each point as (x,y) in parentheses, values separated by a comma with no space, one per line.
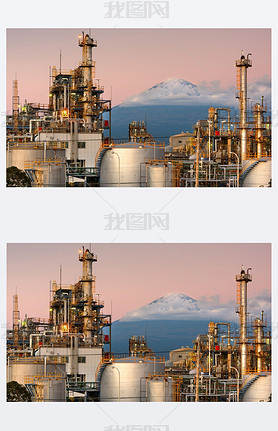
(68,356)
(72,340)
(57,144)
(69,141)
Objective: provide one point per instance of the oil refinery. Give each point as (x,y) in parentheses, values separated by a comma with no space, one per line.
(69,141)
(68,357)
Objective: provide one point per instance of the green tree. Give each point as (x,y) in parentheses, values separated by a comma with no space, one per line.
(17,178)
(17,392)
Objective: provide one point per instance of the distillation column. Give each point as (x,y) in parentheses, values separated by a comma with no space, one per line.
(259,335)
(87,64)
(258,119)
(243,64)
(15,105)
(87,283)
(15,320)
(243,279)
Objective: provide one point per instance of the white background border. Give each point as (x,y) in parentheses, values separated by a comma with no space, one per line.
(216,215)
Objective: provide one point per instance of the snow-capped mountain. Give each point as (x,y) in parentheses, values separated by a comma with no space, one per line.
(174,320)
(175,105)
(173,302)
(178,306)
(170,306)
(174,91)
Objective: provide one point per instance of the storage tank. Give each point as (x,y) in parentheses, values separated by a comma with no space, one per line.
(49,174)
(32,370)
(159,175)
(124,166)
(259,176)
(160,389)
(259,391)
(54,176)
(124,380)
(18,155)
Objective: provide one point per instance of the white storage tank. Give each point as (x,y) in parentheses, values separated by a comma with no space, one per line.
(18,156)
(50,174)
(126,166)
(160,389)
(50,375)
(259,391)
(124,380)
(259,176)
(54,176)
(159,175)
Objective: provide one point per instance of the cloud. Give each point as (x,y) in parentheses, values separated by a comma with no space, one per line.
(206,308)
(175,91)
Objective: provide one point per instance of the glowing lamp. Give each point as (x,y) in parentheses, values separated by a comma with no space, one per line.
(65,328)
(65,113)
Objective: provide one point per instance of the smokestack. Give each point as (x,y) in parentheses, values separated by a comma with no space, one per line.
(15,320)
(243,279)
(243,65)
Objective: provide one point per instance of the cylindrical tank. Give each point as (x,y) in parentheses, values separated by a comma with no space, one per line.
(17,156)
(160,390)
(125,166)
(37,370)
(124,379)
(54,176)
(49,175)
(159,175)
(259,391)
(259,176)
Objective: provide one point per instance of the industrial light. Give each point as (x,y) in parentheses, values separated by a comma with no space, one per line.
(65,113)
(65,328)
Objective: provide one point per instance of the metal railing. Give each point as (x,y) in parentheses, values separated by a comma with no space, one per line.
(29,379)
(34,164)
(29,145)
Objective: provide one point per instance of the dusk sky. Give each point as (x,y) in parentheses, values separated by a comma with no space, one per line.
(132,275)
(133,60)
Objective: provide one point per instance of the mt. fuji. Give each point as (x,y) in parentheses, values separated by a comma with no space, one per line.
(173,91)
(171,306)
(176,319)
(175,105)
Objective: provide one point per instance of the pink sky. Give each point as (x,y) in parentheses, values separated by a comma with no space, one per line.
(132,275)
(133,60)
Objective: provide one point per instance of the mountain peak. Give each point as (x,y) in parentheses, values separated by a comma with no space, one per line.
(175,85)
(172,305)
(168,91)
(178,91)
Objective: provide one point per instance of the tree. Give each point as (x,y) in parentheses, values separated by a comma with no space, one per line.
(17,178)
(17,392)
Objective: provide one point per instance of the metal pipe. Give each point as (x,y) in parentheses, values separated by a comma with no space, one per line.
(197,155)
(119,170)
(119,392)
(198,369)
(234,368)
(237,167)
(258,119)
